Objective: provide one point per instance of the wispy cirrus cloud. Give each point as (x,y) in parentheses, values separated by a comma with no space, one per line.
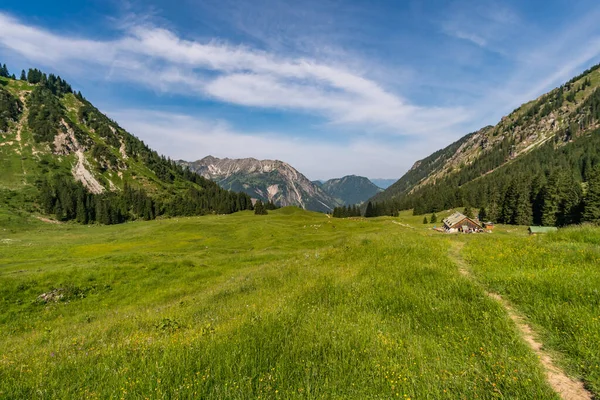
(237,75)
(484,23)
(378,79)
(192,137)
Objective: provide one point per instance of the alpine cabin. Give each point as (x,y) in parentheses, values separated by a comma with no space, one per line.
(458,222)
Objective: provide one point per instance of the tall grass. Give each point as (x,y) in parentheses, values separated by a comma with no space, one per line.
(290,305)
(555,281)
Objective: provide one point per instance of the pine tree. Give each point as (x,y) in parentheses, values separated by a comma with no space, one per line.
(482,214)
(468,211)
(522,213)
(23,76)
(591,212)
(425,220)
(369,212)
(571,203)
(433,218)
(552,196)
(509,204)
(259,208)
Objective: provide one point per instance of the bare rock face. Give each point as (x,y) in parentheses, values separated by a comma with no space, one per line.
(267,180)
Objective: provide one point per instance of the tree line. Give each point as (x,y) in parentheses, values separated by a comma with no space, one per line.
(554,185)
(10,109)
(4,72)
(182,192)
(346,211)
(69,200)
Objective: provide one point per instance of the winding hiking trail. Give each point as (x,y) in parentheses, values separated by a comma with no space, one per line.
(567,388)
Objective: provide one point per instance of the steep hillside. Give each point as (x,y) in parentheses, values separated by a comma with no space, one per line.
(350,189)
(267,180)
(60,155)
(535,166)
(430,166)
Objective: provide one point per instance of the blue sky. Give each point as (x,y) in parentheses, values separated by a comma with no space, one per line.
(332,87)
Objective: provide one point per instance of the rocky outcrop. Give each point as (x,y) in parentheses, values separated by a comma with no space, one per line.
(267,180)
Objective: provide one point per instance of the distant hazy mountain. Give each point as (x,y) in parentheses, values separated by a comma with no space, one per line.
(383,183)
(267,180)
(350,189)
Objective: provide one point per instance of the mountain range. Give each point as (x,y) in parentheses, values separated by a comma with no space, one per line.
(60,156)
(278,182)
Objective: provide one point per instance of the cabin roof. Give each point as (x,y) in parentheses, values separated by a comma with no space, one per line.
(542,229)
(457,217)
(454,219)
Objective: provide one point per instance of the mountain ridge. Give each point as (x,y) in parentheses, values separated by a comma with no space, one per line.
(555,133)
(268,180)
(65,158)
(350,189)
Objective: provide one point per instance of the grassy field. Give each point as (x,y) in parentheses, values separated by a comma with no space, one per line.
(289,305)
(555,281)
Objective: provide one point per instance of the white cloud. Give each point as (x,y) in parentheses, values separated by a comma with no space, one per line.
(191,138)
(340,91)
(238,75)
(471,37)
(485,23)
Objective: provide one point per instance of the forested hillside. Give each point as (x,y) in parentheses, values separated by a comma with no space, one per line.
(59,155)
(540,165)
(350,189)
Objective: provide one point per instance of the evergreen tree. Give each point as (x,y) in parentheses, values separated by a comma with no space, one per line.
(482,214)
(369,212)
(23,76)
(425,220)
(433,218)
(522,213)
(493,211)
(259,208)
(509,204)
(468,211)
(571,202)
(551,200)
(269,206)
(591,212)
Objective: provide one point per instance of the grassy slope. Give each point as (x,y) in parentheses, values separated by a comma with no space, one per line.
(22,164)
(288,305)
(555,281)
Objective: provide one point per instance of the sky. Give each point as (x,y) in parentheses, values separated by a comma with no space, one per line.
(332,87)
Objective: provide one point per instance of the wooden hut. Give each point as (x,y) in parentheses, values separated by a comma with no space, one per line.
(458,222)
(534,230)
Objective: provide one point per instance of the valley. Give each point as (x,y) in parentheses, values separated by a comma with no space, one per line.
(127,274)
(291,305)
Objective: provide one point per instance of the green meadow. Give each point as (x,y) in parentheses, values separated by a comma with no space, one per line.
(289,305)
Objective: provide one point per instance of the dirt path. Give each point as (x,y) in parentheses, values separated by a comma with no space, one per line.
(567,388)
(49,221)
(404,225)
